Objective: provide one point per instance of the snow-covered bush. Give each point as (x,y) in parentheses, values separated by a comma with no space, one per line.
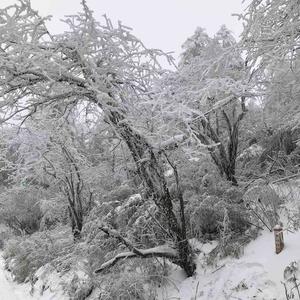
(126,287)
(25,255)
(138,281)
(207,217)
(263,203)
(291,280)
(278,155)
(138,220)
(134,217)
(290,209)
(20,209)
(5,234)
(54,211)
(79,288)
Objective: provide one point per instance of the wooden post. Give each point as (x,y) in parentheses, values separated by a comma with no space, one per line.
(278,233)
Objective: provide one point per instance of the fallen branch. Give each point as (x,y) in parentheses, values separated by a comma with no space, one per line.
(163,251)
(160,251)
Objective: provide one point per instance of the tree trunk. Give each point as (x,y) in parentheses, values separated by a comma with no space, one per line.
(232,152)
(76,222)
(230,176)
(225,159)
(73,189)
(152,174)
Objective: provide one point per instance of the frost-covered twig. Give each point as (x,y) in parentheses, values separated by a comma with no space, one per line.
(286,178)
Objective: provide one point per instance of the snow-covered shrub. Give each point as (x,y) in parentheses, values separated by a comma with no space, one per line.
(20,210)
(126,287)
(281,155)
(291,282)
(290,209)
(129,285)
(193,171)
(294,157)
(5,234)
(54,211)
(207,217)
(218,214)
(263,203)
(155,272)
(282,140)
(129,279)
(79,289)
(136,218)
(248,160)
(25,255)
(233,245)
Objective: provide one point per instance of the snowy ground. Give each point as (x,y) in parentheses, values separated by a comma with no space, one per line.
(9,290)
(256,275)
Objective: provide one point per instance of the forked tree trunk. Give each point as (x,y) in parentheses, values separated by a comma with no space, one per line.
(230,175)
(224,157)
(73,191)
(232,153)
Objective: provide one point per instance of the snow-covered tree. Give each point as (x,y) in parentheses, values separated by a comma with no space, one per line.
(271,31)
(92,65)
(281,100)
(194,46)
(49,157)
(271,39)
(207,96)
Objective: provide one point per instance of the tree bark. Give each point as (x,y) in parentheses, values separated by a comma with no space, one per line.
(76,222)
(152,174)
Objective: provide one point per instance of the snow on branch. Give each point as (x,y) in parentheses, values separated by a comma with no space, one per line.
(164,251)
(221,103)
(160,251)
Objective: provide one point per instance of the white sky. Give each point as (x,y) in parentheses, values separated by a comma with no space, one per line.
(163,24)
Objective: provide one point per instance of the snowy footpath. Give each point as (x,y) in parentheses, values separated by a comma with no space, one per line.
(10,290)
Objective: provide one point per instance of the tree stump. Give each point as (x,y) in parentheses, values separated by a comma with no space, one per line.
(279,243)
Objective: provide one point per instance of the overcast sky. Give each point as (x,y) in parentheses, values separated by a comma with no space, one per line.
(163,24)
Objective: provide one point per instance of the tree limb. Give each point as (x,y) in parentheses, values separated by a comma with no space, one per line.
(164,251)
(160,251)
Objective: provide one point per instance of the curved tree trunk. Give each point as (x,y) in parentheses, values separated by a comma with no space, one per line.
(152,174)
